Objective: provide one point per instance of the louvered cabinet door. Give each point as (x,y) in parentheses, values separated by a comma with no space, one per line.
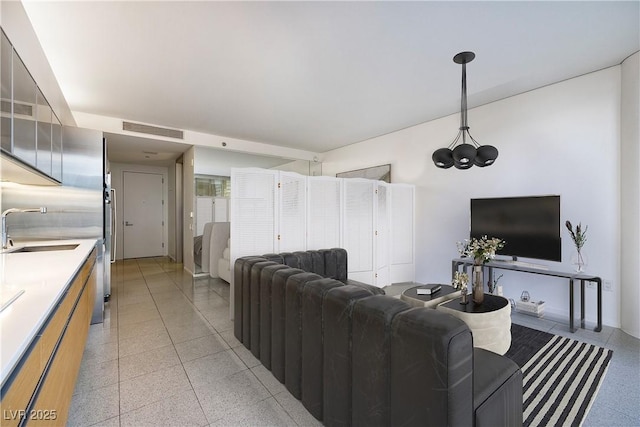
(402,233)
(358,228)
(292,217)
(324,196)
(253,212)
(382,239)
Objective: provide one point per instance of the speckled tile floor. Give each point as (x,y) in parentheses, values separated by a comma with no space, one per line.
(166,356)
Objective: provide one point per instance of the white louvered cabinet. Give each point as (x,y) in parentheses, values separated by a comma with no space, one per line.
(273,211)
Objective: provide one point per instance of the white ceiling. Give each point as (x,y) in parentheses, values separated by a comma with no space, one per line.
(317,75)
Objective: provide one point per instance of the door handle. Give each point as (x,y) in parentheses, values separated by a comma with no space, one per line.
(127,224)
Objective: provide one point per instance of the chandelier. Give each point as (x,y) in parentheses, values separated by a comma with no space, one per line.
(470,153)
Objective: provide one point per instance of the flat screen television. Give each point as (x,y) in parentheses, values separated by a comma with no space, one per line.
(529,225)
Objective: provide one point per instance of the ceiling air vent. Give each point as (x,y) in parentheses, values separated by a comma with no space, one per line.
(152,130)
(21,109)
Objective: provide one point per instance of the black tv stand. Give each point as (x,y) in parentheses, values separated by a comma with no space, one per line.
(467,262)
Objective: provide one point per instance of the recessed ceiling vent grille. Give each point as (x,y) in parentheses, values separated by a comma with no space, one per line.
(22,109)
(152,130)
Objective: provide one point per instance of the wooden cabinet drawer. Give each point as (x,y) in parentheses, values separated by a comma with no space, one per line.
(22,387)
(52,403)
(56,323)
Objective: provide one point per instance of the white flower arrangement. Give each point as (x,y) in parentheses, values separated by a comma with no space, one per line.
(481,250)
(460,280)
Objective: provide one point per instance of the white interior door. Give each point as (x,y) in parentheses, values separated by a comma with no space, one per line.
(143,215)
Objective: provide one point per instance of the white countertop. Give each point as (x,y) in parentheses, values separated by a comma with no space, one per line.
(44,277)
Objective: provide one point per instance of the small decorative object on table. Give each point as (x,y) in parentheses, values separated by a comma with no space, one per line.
(579,237)
(493,286)
(460,281)
(428,289)
(482,251)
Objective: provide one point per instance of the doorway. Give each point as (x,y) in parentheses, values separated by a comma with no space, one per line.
(143,215)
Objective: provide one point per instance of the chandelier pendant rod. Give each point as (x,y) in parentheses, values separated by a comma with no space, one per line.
(463,99)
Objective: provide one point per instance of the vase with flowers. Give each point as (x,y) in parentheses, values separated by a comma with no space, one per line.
(579,237)
(482,251)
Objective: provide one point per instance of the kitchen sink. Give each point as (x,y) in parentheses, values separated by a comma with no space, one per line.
(46,248)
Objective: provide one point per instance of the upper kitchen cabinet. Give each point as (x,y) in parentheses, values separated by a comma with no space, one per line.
(6,53)
(24,113)
(43,134)
(56,148)
(31,135)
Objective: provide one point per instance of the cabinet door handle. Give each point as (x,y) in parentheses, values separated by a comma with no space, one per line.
(127,224)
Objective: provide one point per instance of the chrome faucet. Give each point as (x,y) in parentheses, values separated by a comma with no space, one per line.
(5,236)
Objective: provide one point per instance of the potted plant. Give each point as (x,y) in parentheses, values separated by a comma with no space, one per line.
(579,237)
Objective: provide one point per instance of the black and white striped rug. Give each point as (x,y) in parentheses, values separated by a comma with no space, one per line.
(561,376)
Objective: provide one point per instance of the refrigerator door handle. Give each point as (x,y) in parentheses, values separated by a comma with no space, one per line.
(114,235)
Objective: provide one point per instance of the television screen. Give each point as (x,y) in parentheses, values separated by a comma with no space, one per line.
(530,226)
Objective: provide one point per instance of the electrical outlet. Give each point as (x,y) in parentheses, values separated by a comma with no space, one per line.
(591,285)
(608,285)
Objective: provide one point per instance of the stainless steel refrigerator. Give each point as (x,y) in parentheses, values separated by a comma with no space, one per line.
(85,166)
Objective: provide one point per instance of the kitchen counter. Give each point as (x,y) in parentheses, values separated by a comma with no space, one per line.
(44,277)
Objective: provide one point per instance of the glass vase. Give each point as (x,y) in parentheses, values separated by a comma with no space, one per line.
(478,285)
(579,261)
(464,297)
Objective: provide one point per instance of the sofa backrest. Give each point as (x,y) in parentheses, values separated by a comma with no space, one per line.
(329,263)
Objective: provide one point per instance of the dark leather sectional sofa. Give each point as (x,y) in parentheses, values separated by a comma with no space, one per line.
(355,356)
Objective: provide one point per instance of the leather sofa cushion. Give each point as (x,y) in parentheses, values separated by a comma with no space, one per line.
(278,320)
(371,288)
(335,263)
(240,305)
(266,278)
(255,300)
(293,328)
(312,343)
(337,325)
(246,299)
(371,358)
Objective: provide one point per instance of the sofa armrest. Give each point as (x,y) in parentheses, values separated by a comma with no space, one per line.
(219,238)
(497,390)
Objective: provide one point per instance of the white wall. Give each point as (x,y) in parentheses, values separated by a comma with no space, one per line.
(561,139)
(213,161)
(630,195)
(117,171)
